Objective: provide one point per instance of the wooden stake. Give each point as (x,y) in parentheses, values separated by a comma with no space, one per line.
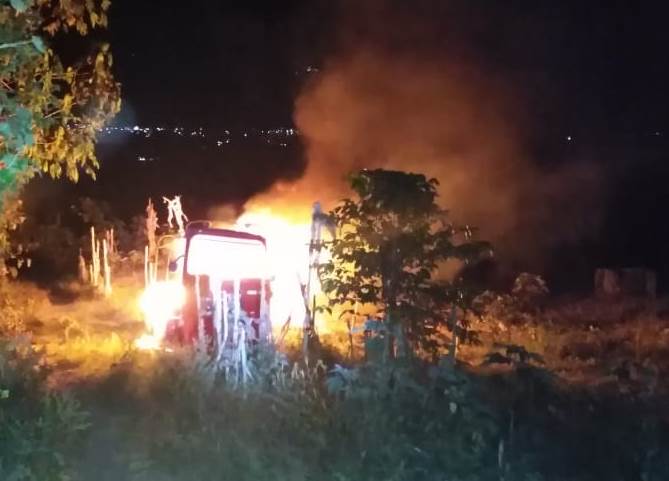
(94,270)
(98,270)
(107,269)
(151,226)
(83,270)
(156,263)
(97,259)
(146,265)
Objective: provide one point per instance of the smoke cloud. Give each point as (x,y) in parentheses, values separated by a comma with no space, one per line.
(375,107)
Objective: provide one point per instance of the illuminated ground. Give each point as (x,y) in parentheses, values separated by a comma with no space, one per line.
(83,334)
(586,343)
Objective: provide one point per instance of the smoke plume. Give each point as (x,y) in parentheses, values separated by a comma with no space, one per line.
(375,107)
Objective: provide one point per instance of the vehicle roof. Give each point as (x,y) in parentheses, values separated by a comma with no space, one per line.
(204,229)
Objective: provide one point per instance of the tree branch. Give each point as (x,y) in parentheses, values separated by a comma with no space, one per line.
(51,114)
(6,85)
(15,44)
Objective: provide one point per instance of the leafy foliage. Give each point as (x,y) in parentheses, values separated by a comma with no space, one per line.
(11,218)
(15,310)
(381,423)
(48,241)
(521,306)
(400,420)
(390,240)
(49,112)
(530,291)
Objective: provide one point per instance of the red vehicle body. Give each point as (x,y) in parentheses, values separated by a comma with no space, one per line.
(253,286)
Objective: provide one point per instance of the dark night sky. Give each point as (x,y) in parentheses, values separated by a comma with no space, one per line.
(584,66)
(214,63)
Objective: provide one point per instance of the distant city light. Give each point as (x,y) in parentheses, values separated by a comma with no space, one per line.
(274,136)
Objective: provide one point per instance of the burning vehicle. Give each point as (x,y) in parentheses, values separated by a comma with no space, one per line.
(224,288)
(216,292)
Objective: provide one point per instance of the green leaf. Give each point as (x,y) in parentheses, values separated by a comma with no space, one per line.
(38,43)
(17,129)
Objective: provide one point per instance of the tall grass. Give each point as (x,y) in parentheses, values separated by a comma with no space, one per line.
(40,430)
(178,420)
(171,417)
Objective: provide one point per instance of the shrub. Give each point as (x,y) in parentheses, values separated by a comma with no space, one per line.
(530,291)
(15,309)
(39,430)
(521,306)
(298,422)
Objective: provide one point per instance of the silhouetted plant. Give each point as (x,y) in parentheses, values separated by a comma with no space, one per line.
(390,239)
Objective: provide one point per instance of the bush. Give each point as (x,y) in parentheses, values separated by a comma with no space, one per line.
(39,430)
(297,422)
(399,420)
(521,306)
(15,309)
(530,291)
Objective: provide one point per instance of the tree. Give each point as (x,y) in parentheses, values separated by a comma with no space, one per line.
(50,113)
(390,240)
